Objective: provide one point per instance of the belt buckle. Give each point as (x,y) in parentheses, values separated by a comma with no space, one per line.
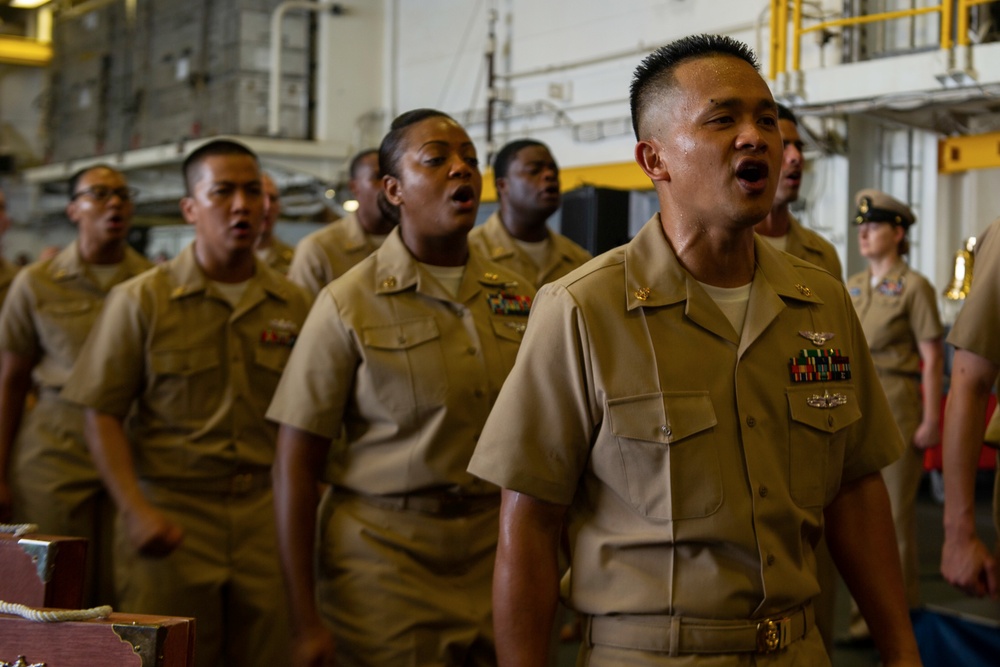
(769,635)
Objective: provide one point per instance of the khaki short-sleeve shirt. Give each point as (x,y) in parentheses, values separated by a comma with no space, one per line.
(977,327)
(494,241)
(409,371)
(52,306)
(329,252)
(278,255)
(195,373)
(695,461)
(7,273)
(896,314)
(806,244)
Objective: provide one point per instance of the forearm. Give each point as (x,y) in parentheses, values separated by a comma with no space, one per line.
(861,537)
(299,457)
(965,416)
(15,381)
(931,380)
(526,579)
(112,455)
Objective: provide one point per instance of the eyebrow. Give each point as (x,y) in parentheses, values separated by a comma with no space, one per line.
(730,102)
(441,142)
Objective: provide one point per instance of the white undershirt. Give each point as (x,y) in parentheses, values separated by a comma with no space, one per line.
(537,251)
(450,277)
(732,301)
(779,242)
(231,292)
(105,273)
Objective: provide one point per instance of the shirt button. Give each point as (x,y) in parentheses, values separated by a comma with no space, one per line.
(479,393)
(665,430)
(762,491)
(751,422)
(829,420)
(471,350)
(401,340)
(770,559)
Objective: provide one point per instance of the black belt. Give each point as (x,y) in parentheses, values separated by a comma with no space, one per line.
(238,484)
(440,504)
(677,635)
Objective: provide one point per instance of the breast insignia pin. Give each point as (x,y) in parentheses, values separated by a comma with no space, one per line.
(826,401)
(817,338)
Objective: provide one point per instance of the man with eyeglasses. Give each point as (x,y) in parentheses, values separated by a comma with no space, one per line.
(47,476)
(7,269)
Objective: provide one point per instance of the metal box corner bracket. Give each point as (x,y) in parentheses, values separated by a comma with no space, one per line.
(42,571)
(121,640)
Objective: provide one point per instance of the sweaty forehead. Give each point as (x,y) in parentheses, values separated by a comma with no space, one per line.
(100,176)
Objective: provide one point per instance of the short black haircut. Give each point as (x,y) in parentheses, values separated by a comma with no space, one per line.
(501,163)
(212,149)
(657,69)
(74,180)
(356,161)
(784,113)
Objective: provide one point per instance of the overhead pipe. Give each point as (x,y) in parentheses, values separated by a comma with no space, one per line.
(274,89)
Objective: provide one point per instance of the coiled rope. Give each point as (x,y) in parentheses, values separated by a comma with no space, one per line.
(53,615)
(18,529)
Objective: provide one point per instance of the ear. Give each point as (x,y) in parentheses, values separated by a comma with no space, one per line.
(393,190)
(650,159)
(501,184)
(187,205)
(899,232)
(71,209)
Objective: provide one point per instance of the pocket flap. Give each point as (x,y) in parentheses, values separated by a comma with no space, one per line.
(183,362)
(510,328)
(665,418)
(822,408)
(402,335)
(74,307)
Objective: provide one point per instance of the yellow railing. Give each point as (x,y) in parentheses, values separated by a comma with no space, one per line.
(950,10)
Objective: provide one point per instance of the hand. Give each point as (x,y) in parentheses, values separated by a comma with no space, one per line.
(969,566)
(150,532)
(928,435)
(313,647)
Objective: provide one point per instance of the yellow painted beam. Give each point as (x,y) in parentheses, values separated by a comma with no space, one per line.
(23,51)
(978,151)
(621,175)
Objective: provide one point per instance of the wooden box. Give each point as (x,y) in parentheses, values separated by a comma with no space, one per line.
(121,640)
(42,570)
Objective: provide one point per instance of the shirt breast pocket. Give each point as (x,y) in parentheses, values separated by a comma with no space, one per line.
(406,363)
(187,384)
(818,441)
(668,449)
(64,324)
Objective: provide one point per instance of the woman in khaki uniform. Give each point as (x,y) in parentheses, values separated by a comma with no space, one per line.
(405,353)
(898,311)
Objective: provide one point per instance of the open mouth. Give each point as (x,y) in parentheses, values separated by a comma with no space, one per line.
(242,226)
(752,171)
(465,194)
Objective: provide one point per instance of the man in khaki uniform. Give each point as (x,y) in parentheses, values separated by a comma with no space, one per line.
(695,406)
(46,471)
(898,311)
(328,253)
(273,251)
(176,377)
(780,228)
(966,562)
(517,236)
(7,269)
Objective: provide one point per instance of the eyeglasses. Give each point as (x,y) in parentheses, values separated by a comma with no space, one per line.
(101,194)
